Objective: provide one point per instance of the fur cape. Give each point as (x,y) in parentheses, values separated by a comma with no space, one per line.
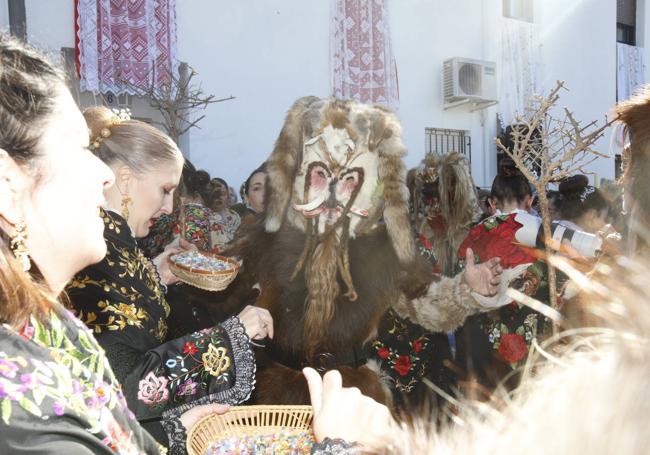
(304,266)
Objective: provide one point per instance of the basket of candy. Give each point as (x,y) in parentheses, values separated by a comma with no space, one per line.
(204,270)
(254,429)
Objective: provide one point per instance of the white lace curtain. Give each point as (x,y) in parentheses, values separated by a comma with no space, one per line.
(630,70)
(362,64)
(126,44)
(519,68)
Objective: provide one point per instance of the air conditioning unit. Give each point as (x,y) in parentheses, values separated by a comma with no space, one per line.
(469,81)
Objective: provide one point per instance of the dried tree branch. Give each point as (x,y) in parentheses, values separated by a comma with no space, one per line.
(564,147)
(177,102)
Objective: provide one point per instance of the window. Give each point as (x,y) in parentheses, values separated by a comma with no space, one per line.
(441,141)
(522,10)
(618,166)
(626,22)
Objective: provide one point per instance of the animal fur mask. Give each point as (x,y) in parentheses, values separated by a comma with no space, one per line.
(337,165)
(444,187)
(335,173)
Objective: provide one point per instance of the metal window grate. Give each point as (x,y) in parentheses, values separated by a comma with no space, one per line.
(441,141)
(626,12)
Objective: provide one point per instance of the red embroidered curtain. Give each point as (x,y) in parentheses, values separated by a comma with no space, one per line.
(132,41)
(362,62)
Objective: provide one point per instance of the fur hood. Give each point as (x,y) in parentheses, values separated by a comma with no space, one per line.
(348,136)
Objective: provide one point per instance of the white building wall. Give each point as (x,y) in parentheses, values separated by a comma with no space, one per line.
(50,24)
(579,47)
(425,33)
(267,53)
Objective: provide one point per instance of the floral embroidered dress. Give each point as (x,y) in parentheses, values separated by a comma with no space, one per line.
(122,301)
(167,228)
(59,395)
(408,353)
(223,226)
(497,342)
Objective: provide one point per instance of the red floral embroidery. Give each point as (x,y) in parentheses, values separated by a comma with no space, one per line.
(190,348)
(512,347)
(417,345)
(403,365)
(383,353)
(495,237)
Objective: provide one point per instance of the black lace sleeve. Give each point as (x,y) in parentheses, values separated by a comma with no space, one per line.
(176,433)
(335,447)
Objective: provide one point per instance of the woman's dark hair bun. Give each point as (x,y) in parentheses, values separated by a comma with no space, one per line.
(194,181)
(508,168)
(573,185)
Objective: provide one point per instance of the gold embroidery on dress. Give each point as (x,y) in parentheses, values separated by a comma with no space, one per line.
(216,360)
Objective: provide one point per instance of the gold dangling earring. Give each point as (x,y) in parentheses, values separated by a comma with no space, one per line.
(18,246)
(125,207)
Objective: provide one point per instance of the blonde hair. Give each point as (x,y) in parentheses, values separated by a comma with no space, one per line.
(136,144)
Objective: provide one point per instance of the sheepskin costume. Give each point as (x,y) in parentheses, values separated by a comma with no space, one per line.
(444,205)
(335,249)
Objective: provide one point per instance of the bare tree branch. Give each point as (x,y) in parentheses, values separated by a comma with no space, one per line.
(178,101)
(561,148)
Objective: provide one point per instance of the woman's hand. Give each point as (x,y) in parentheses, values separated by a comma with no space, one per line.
(482,278)
(257,322)
(162,263)
(189,418)
(345,413)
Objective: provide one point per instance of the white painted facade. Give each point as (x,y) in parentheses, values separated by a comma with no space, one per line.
(267,53)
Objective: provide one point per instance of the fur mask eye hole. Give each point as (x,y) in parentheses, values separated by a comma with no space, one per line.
(319,176)
(348,182)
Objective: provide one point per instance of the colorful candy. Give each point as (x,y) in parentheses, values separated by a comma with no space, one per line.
(288,442)
(201,262)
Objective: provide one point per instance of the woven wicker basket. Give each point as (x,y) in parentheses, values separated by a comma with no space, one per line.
(247,420)
(216,280)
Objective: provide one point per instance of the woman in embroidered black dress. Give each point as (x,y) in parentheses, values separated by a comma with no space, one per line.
(122,298)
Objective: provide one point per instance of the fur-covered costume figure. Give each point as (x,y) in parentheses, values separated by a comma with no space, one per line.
(444,205)
(335,249)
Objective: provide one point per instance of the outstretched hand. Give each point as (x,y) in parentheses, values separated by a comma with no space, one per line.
(345,413)
(483,278)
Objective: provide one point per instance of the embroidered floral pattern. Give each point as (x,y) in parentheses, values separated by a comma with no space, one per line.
(204,360)
(404,350)
(162,233)
(131,297)
(75,380)
(153,390)
(511,329)
(216,360)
